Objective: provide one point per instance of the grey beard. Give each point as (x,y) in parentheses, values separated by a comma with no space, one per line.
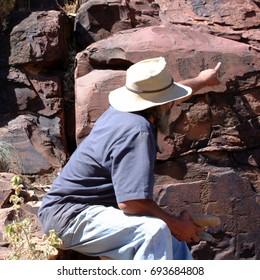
(162,121)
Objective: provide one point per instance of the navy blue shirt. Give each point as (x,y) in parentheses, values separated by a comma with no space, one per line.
(114,163)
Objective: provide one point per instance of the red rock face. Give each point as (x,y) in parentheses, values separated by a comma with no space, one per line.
(231,19)
(187,52)
(31,98)
(210,159)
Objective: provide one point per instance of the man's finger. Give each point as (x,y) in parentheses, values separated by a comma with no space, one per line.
(218,66)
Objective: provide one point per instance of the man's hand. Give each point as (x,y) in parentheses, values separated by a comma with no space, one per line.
(208,77)
(182,227)
(188,230)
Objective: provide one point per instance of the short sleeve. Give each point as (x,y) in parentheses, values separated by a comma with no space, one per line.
(133,160)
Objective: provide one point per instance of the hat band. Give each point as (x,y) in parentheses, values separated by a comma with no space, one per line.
(149,91)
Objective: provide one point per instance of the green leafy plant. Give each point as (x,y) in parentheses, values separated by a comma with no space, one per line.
(19,232)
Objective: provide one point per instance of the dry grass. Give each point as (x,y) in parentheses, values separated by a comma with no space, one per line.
(70,6)
(9,159)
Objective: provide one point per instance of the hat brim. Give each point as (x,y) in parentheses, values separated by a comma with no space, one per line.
(125,100)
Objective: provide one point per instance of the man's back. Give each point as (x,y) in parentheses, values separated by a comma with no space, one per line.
(110,159)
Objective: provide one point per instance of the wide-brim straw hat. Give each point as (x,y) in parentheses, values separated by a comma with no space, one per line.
(148,84)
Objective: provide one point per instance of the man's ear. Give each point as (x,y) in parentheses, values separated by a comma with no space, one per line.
(152,119)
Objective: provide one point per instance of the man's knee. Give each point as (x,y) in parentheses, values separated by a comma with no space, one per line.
(157,227)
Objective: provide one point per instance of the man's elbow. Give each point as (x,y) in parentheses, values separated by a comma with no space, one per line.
(124,207)
(129,207)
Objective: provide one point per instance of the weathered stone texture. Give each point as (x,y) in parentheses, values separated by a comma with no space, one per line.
(31,107)
(236,20)
(92,98)
(219,191)
(38,39)
(99,19)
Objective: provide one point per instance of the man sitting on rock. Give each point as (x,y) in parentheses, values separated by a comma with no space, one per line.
(102,203)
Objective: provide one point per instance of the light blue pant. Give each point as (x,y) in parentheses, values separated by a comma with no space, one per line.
(109,232)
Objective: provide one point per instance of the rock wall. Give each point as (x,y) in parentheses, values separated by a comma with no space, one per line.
(209,162)
(31,97)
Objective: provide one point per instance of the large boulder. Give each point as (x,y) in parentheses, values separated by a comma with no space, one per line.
(91,98)
(208,189)
(99,19)
(39,39)
(37,142)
